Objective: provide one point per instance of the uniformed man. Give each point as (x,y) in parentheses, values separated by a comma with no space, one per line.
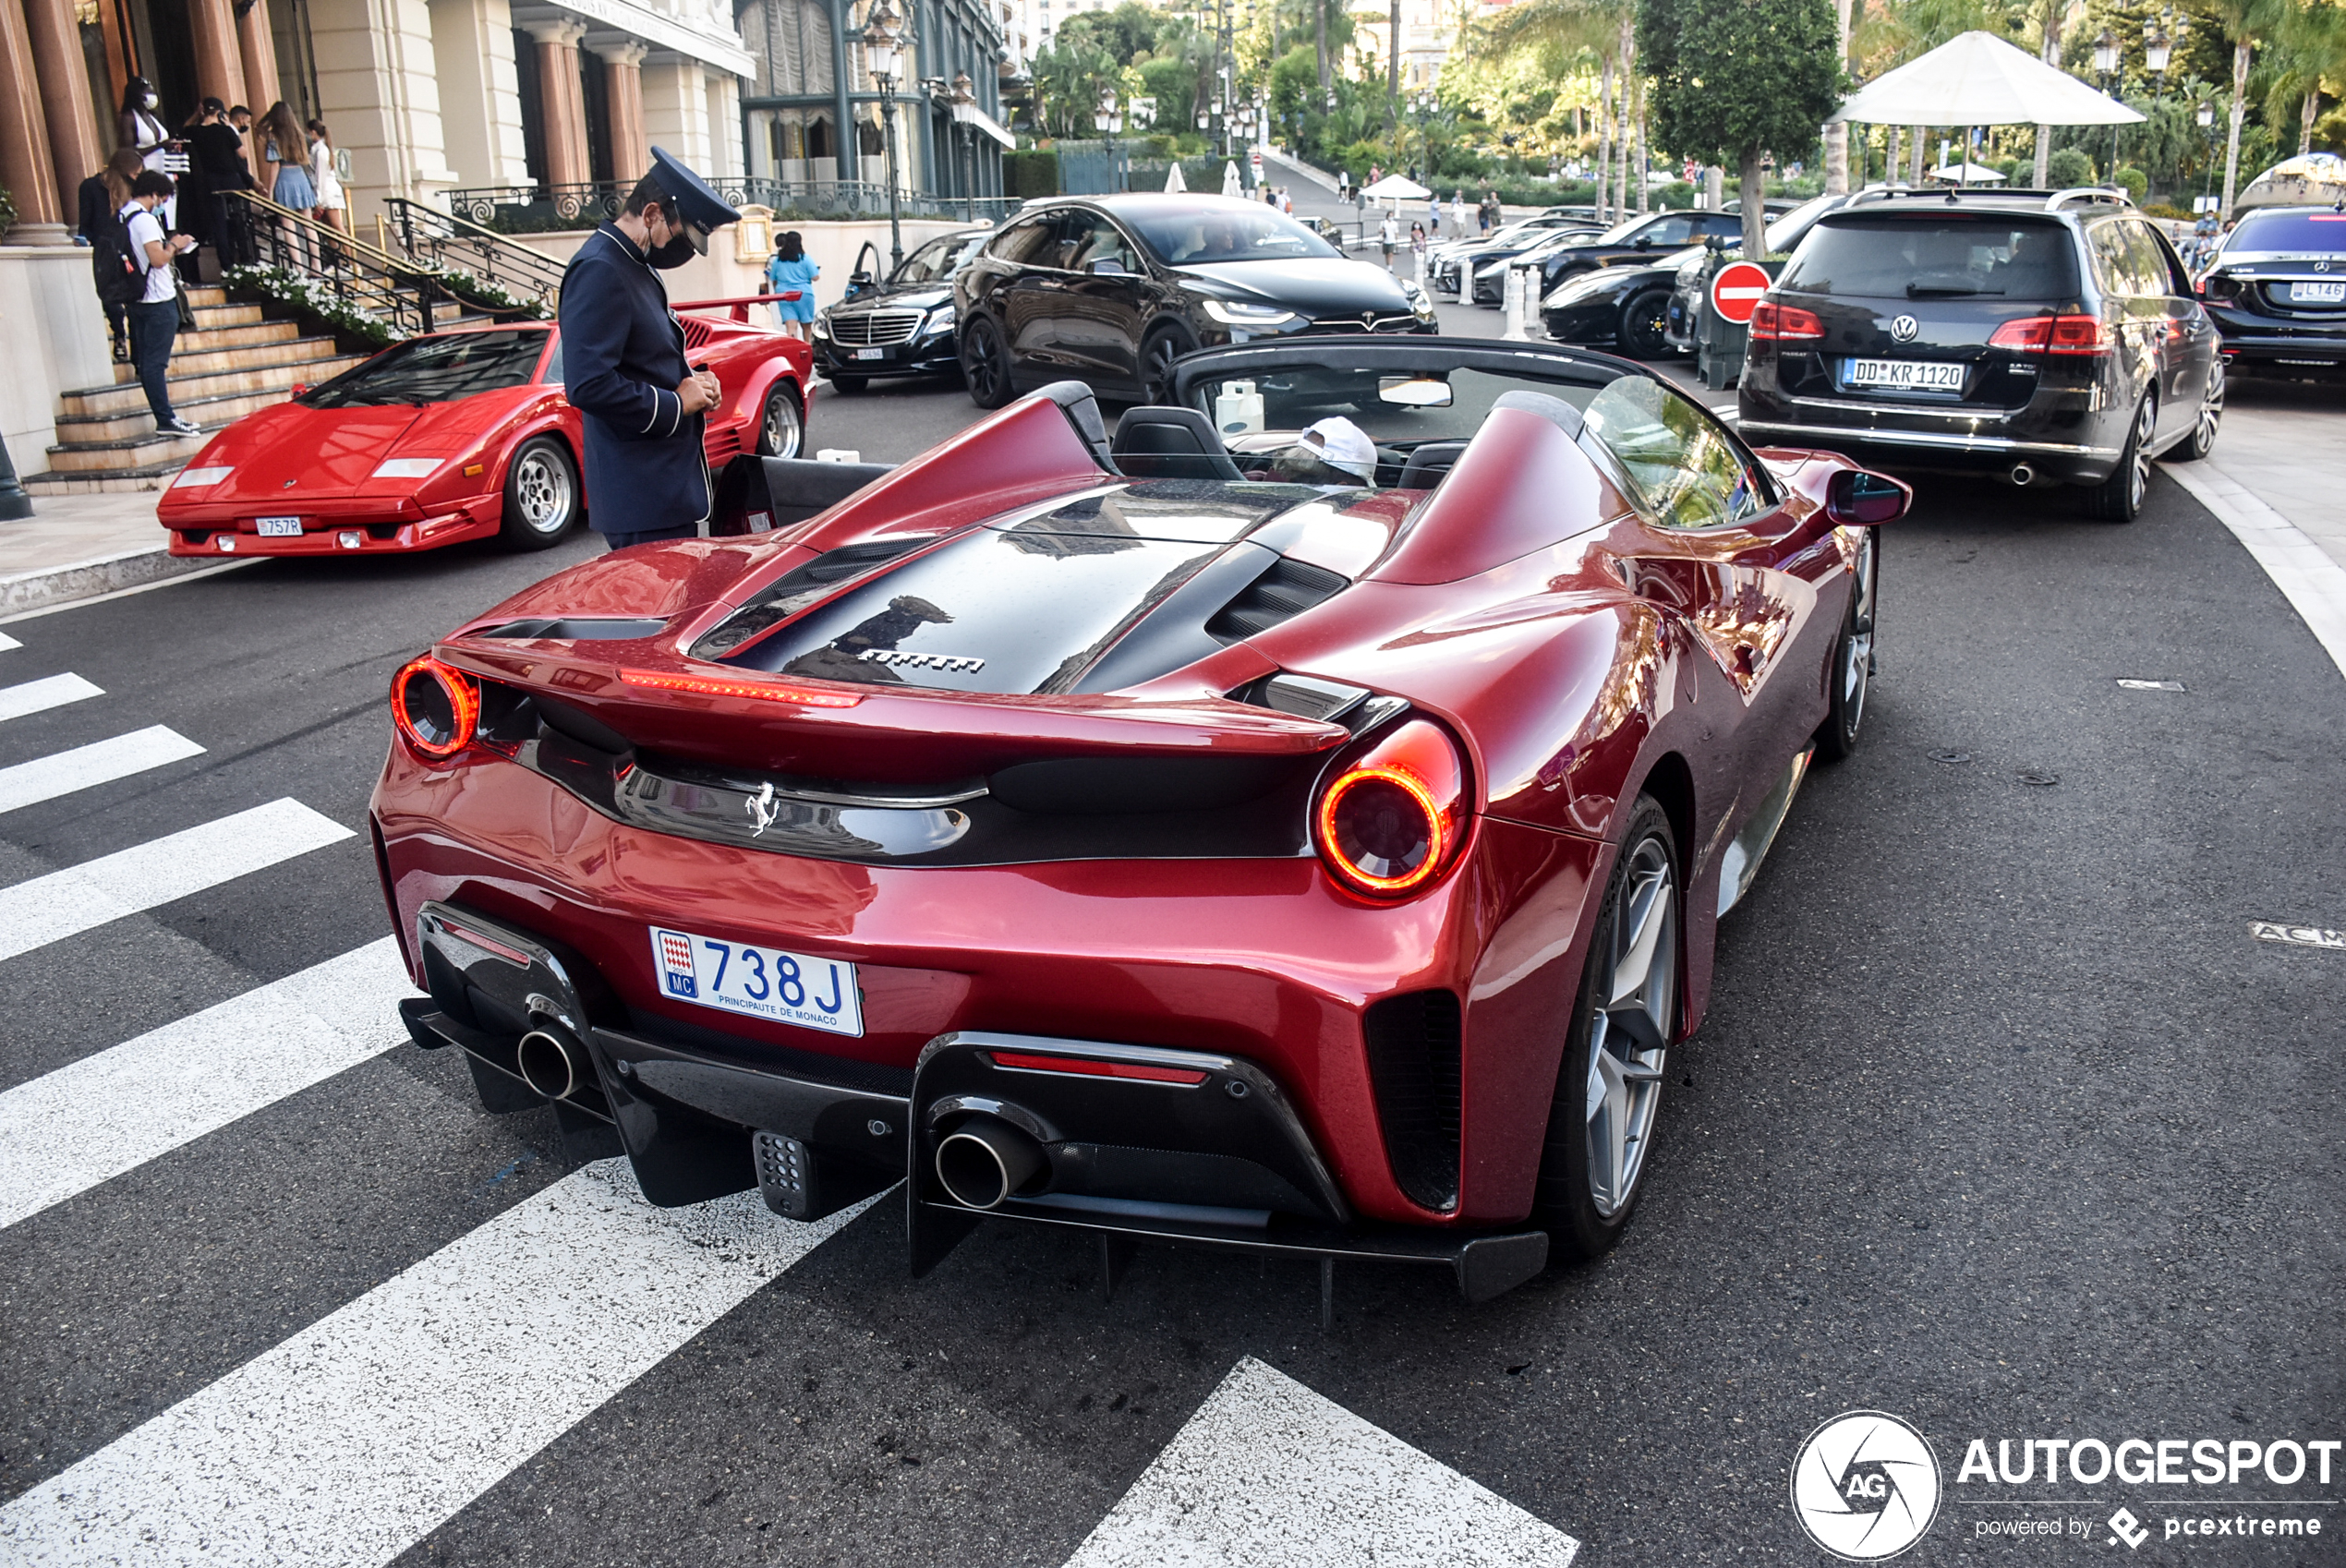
(623,363)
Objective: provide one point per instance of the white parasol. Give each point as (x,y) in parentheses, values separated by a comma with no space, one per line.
(1173,180)
(1396,187)
(1230,180)
(1976,78)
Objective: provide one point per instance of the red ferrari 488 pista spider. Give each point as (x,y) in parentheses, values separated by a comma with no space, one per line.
(454,435)
(1098,835)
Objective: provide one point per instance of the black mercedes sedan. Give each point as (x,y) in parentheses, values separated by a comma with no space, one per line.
(1111,290)
(1638,242)
(2277,291)
(899,325)
(2047,338)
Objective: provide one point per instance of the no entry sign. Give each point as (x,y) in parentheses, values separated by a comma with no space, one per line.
(1735,292)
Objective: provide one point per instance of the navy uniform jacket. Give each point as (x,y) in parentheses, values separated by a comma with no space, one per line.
(623,356)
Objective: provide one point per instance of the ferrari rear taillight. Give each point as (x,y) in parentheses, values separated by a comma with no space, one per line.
(436,708)
(1391,818)
(756,691)
(2053,334)
(1786,323)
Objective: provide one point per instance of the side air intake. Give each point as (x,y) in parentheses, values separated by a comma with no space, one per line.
(1413,1043)
(1286,590)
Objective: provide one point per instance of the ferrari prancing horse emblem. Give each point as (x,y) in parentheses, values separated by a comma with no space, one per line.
(762,809)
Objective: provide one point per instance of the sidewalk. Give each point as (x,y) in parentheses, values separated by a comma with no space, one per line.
(78,546)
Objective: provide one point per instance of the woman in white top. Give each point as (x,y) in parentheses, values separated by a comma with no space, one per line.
(139,128)
(332,205)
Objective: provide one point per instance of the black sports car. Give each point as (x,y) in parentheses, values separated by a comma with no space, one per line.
(1465,262)
(901,325)
(1632,307)
(1639,241)
(1111,290)
(2277,291)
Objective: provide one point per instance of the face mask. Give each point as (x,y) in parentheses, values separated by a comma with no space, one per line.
(150,100)
(675,253)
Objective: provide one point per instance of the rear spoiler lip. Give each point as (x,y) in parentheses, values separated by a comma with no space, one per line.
(1093,723)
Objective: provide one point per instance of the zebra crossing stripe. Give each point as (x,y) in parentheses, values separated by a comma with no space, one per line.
(1267,1471)
(6,642)
(69,1131)
(347,1444)
(101,762)
(80,897)
(50,690)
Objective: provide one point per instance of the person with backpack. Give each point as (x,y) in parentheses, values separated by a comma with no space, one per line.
(101,196)
(136,264)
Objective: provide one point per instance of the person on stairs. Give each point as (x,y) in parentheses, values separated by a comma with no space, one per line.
(101,196)
(154,320)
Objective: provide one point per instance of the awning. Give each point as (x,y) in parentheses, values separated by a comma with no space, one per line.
(970,114)
(1976,78)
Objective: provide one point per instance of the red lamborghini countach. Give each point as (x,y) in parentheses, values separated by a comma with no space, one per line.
(449,436)
(1097,833)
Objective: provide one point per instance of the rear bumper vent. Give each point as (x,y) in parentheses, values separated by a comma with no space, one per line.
(1413,1044)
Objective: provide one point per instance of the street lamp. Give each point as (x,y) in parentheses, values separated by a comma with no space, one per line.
(881,42)
(2206,115)
(2106,62)
(1107,122)
(963,102)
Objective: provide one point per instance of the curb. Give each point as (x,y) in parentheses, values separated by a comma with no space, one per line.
(87,579)
(2312,582)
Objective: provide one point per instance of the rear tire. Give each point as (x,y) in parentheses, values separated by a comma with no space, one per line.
(1602,1121)
(1645,324)
(781,426)
(2119,499)
(986,364)
(541,495)
(2202,439)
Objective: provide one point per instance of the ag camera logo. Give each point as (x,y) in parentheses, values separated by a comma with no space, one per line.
(1865,1486)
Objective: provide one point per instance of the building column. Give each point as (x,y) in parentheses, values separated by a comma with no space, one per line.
(727,151)
(564,105)
(848,156)
(25,162)
(472,43)
(377,91)
(74,148)
(257,47)
(630,149)
(219,61)
(676,107)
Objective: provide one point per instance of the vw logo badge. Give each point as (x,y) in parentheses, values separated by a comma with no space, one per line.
(1903,329)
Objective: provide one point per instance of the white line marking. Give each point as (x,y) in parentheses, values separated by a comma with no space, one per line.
(2297,936)
(67,1131)
(50,690)
(6,642)
(101,762)
(2301,569)
(82,897)
(2124,685)
(347,1444)
(1267,1471)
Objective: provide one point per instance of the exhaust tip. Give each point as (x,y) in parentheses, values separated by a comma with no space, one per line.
(984,1161)
(2022,473)
(551,1063)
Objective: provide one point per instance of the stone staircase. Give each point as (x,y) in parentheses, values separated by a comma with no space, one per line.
(232,362)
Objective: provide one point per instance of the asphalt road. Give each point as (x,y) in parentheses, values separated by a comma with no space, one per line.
(2000,1122)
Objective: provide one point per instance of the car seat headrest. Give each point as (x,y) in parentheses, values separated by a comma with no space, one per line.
(1083,410)
(1172,443)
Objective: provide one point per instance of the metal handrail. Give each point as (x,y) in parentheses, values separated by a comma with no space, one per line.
(399,293)
(448,241)
(512,208)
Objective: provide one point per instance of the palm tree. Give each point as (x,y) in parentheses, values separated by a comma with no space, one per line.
(2246,23)
(1563,29)
(2312,46)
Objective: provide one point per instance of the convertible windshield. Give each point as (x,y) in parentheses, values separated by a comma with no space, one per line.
(1221,229)
(437,370)
(1396,406)
(939,258)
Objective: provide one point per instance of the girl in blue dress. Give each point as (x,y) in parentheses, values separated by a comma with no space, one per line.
(788,269)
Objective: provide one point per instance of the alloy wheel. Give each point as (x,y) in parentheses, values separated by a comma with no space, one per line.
(1629,1029)
(2138,455)
(1856,661)
(777,433)
(2211,409)
(542,486)
(1156,376)
(980,366)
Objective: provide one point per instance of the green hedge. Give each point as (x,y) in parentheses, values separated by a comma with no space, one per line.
(1031,174)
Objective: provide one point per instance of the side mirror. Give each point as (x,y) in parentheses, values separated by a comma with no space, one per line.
(1644,242)
(300,389)
(1855,497)
(859,281)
